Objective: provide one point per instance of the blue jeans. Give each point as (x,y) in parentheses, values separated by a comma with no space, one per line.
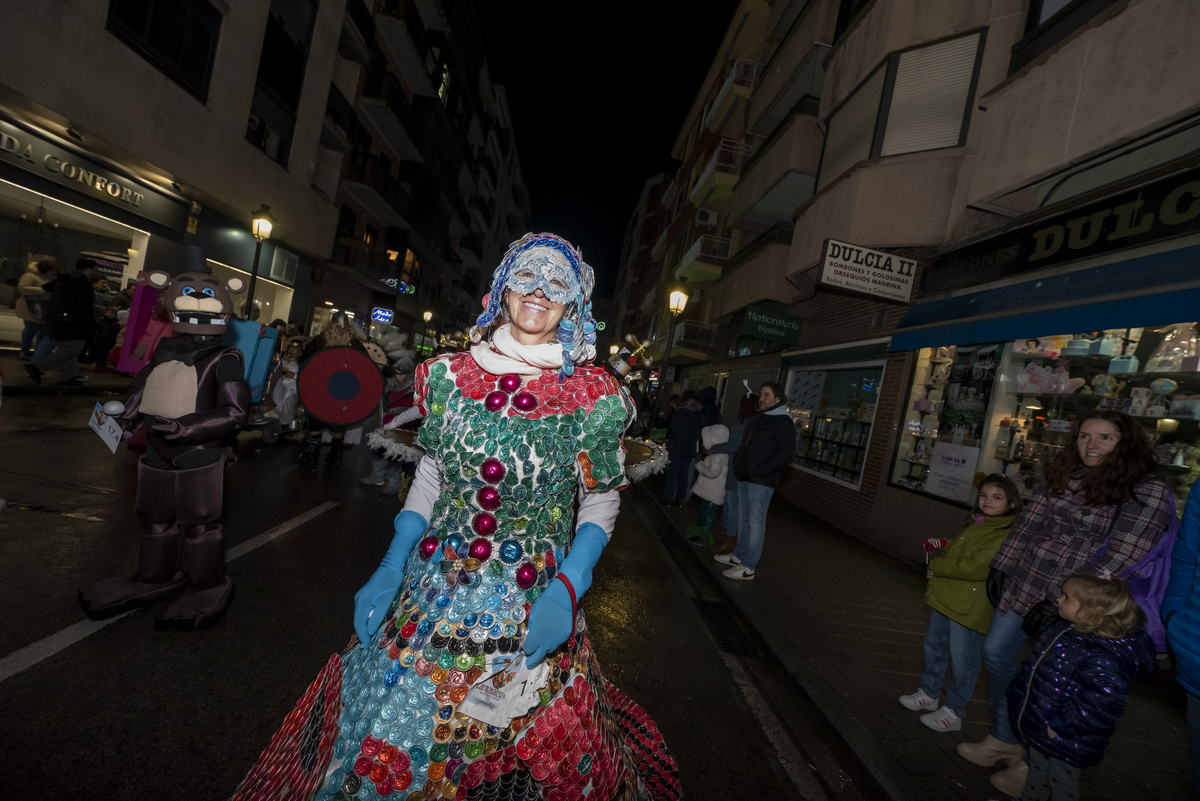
(1193,736)
(1000,649)
(947,641)
(752,502)
(729,514)
(676,488)
(691,477)
(45,347)
(28,335)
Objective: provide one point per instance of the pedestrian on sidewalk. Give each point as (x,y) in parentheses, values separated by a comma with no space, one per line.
(1069,519)
(710,484)
(70,321)
(683,443)
(727,540)
(710,415)
(1181,610)
(961,612)
(32,302)
(768,443)
(108,328)
(1074,686)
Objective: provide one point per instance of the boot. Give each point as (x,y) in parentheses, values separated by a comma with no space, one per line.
(378,475)
(1011,780)
(312,451)
(158,578)
(335,452)
(989,752)
(209,591)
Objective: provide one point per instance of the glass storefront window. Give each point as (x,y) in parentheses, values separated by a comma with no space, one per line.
(272,300)
(834,410)
(1008,407)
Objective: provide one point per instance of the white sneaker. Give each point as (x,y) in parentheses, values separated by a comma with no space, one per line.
(727,559)
(739,572)
(942,720)
(918,701)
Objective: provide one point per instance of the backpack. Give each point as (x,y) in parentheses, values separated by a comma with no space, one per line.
(1147,580)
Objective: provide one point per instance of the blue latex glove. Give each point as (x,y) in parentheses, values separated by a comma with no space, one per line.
(551,616)
(377,594)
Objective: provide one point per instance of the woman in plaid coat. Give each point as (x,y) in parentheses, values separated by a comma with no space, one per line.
(1067,520)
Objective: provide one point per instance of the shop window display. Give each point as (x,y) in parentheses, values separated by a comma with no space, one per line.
(834,410)
(1014,413)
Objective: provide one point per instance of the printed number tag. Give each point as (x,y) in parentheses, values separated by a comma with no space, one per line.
(507,692)
(106,427)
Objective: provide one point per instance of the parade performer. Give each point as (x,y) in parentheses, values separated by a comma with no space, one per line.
(190,395)
(489,560)
(394,457)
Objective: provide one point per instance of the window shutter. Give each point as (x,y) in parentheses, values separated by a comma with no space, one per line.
(283,266)
(930,96)
(852,129)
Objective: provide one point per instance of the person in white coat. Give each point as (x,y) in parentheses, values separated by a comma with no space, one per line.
(711,473)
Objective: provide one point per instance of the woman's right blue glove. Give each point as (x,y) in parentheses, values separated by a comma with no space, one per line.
(377,594)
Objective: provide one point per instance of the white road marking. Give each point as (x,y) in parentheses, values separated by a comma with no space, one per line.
(785,750)
(30,655)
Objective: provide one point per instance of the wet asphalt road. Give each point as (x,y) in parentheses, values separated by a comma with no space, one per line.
(130,712)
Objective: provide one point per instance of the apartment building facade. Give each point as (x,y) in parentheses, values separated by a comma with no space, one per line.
(1028,164)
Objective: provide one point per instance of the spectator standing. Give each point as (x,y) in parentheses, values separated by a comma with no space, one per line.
(32,302)
(768,442)
(70,320)
(1074,686)
(683,443)
(108,328)
(1068,519)
(747,408)
(1181,610)
(710,484)
(960,612)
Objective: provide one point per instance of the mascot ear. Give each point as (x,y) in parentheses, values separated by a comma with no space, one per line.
(158,279)
(235,285)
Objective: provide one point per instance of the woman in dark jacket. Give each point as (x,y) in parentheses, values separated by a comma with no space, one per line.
(1102,489)
(1074,686)
(683,443)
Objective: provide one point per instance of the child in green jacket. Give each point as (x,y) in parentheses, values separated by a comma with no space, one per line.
(961,611)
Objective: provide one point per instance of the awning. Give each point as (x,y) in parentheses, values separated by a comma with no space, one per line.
(1158,289)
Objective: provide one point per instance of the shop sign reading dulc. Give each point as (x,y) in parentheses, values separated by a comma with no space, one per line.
(37,155)
(876,273)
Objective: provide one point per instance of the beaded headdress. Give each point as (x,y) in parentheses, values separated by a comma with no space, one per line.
(547,254)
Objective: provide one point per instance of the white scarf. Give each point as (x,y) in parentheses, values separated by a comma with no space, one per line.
(504,354)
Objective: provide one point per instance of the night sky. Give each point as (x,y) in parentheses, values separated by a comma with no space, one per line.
(598,92)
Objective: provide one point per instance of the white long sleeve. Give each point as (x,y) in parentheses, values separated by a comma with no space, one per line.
(425,489)
(406,416)
(600,508)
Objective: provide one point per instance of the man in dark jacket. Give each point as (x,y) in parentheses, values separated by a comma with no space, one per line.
(683,443)
(70,319)
(768,443)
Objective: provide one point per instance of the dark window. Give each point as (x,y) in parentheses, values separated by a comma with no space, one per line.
(847,11)
(347,221)
(177,36)
(370,235)
(280,78)
(1051,22)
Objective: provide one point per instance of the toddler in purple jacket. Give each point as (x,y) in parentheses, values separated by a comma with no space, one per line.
(1072,690)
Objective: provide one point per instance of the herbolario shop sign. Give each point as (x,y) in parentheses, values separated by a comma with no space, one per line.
(875,273)
(770,325)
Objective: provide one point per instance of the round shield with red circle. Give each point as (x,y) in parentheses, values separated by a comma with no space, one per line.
(340,386)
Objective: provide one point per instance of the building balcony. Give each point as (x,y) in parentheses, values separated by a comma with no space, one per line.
(715,185)
(358,33)
(376,265)
(692,342)
(739,85)
(386,108)
(470,242)
(339,129)
(402,37)
(779,177)
(482,209)
(703,260)
(366,179)
(756,273)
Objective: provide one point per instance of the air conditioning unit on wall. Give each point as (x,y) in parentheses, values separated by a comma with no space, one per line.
(706,217)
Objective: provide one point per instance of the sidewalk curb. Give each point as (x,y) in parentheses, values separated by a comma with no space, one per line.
(876,761)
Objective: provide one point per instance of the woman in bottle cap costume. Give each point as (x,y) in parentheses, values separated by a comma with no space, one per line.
(489,560)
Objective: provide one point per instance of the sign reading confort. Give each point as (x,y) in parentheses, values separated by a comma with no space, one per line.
(762,323)
(37,155)
(867,272)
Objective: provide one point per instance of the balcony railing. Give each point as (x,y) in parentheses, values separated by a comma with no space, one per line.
(375,264)
(691,335)
(366,169)
(724,167)
(704,259)
(341,124)
(742,72)
(360,15)
(486,207)
(471,242)
(382,85)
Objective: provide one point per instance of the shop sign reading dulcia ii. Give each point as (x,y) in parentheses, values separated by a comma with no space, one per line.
(870,272)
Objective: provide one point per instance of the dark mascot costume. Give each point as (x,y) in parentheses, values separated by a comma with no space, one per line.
(190,395)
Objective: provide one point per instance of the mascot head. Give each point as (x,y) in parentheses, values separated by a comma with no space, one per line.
(196,300)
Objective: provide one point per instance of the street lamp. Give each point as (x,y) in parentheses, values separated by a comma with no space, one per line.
(678,302)
(427,316)
(261,224)
(613,349)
